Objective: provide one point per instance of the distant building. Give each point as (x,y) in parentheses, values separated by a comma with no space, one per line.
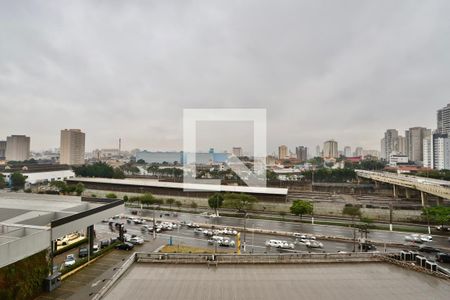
(301,153)
(436,151)
(17,148)
(383,149)
(347,151)
(104,154)
(283,152)
(359,152)
(318,154)
(390,142)
(395,159)
(330,149)
(2,150)
(414,143)
(443,120)
(72,147)
(237,151)
(401,145)
(160,157)
(172,158)
(372,153)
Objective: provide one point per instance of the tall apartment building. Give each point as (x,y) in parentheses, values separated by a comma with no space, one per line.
(301,153)
(383,149)
(347,151)
(2,150)
(414,143)
(359,152)
(17,148)
(237,151)
(283,152)
(401,145)
(72,147)
(330,149)
(436,151)
(443,120)
(318,153)
(390,142)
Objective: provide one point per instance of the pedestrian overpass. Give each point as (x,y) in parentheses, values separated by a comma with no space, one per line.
(426,186)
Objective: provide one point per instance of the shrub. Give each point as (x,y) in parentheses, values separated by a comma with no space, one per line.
(111,196)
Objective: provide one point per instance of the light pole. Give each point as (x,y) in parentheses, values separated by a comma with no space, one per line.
(245,229)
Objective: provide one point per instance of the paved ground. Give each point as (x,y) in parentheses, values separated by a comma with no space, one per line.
(259,282)
(85,283)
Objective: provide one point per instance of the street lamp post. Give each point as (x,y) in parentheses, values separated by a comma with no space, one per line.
(245,229)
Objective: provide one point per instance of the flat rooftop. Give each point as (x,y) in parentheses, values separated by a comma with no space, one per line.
(259,282)
(28,222)
(187,186)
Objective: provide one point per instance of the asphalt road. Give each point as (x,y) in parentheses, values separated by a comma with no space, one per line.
(377,235)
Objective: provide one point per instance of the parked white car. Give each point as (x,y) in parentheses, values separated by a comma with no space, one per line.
(313,244)
(414,238)
(229,231)
(426,238)
(286,245)
(273,243)
(227,242)
(137,240)
(70,260)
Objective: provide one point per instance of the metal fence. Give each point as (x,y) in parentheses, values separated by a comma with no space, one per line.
(178,258)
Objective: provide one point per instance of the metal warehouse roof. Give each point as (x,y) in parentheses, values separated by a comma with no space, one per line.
(186,186)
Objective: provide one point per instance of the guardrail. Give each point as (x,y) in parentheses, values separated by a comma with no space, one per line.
(122,269)
(294,258)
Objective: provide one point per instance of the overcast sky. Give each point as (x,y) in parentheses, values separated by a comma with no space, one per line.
(345,70)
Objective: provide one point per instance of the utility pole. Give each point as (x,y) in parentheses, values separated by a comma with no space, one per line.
(245,229)
(154,223)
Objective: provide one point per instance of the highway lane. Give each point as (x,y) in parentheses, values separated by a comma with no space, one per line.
(256,242)
(382,236)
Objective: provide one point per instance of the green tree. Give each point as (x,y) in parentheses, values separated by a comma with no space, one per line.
(194,205)
(301,207)
(241,202)
(170,201)
(178,203)
(352,211)
(147,199)
(111,196)
(437,214)
(79,188)
(215,201)
(17,181)
(2,181)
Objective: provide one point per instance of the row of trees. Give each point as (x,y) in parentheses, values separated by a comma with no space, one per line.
(437,214)
(68,189)
(99,169)
(17,181)
(436,174)
(241,202)
(330,175)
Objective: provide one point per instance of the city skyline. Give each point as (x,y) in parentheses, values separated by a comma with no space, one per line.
(385,64)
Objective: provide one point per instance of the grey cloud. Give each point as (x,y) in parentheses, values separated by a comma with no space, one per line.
(323,69)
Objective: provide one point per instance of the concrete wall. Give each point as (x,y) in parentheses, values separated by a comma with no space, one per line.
(23,247)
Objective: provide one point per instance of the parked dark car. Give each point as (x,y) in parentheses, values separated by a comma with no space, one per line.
(125,246)
(428,249)
(104,244)
(443,257)
(83,252)
(367,247)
